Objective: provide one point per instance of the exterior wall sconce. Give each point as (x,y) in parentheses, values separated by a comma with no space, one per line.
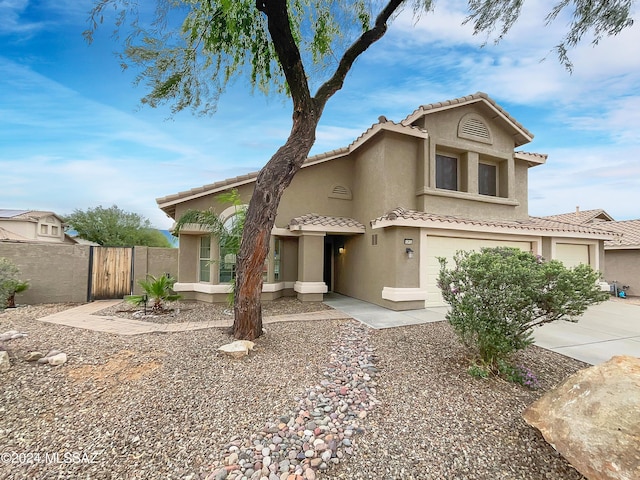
(409,252)
(341,250)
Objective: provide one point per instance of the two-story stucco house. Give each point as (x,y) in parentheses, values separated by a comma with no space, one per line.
(32,226)
(371,219)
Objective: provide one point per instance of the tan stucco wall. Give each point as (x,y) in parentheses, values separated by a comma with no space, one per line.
(56,273)
(188,258)
(443,130)
(623,266)
(153,261)
(60,273)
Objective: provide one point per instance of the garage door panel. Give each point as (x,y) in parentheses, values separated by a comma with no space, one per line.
(572,255)
(447,247)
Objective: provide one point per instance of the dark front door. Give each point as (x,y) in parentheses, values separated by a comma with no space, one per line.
(327,275)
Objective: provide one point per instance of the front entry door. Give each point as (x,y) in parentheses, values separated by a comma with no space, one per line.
(327,275)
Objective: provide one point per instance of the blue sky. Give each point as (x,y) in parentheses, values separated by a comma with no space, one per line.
(73,136)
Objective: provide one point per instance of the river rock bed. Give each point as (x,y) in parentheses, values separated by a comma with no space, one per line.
(320,432)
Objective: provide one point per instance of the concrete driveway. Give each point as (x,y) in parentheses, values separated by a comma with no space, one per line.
(608,329)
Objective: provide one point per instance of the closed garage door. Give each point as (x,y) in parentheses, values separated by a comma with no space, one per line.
(447,247)
(571,254)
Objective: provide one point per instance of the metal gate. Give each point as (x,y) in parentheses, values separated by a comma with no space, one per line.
(110,272)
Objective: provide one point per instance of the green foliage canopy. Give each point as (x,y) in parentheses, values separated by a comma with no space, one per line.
(113,227)
(188,51)
(497,296)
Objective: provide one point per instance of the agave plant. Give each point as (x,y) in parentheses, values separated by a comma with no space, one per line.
(157,289)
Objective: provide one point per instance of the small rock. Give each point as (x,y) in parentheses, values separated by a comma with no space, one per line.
(33,356)
(59,359)
(237,349)
(5,363)
(7,335)
(18,335)
(52,353)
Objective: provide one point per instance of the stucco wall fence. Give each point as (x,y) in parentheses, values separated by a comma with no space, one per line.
(60,273)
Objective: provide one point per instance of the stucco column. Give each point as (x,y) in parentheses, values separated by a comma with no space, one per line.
(310,285)
(187,264)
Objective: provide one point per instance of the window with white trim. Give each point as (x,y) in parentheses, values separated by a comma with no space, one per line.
(204,260)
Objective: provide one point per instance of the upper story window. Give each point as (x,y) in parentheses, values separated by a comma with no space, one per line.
(487,179)
(446,172)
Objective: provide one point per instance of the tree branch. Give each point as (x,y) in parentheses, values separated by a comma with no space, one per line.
(331,86)
(279,26)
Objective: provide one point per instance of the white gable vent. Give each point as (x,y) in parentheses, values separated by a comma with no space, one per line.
(340,191)
(472,127)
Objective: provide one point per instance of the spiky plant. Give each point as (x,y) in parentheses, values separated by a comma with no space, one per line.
(157,289)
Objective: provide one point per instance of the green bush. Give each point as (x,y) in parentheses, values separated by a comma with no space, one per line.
(497,297)
(9,283)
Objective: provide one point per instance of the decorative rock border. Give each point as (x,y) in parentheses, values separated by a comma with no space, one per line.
(321,432)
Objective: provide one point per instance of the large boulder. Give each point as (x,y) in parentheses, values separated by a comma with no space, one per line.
(593,419)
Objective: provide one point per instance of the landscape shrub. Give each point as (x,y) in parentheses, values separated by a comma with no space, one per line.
(10,284)
(156,289)
(497,296)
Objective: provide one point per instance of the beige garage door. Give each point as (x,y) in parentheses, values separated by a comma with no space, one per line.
(571,254)
(447,247)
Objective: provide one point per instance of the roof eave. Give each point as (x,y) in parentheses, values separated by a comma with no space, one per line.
(431,223)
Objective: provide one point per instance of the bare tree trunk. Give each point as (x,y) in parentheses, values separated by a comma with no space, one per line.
(273,179)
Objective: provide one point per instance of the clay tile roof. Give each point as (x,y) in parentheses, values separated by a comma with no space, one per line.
(630,231)
(7,235)
(324,222)
(533,223)
(582,216)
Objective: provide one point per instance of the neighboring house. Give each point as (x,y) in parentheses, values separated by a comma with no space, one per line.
(622,255)
(32,226)
(371,219)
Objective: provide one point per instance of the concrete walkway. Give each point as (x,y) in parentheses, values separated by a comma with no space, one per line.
(378,317)
(82,317)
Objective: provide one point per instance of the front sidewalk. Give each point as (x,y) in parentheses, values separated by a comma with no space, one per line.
(82,317)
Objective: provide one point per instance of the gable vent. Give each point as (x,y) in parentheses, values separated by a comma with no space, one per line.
(340,191)
(474,128)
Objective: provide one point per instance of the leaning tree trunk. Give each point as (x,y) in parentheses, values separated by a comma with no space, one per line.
(272,180)
(278,173)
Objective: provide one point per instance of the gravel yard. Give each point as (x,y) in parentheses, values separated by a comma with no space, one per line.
(167,406)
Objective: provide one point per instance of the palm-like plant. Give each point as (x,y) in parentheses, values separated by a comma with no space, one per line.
(157,289)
